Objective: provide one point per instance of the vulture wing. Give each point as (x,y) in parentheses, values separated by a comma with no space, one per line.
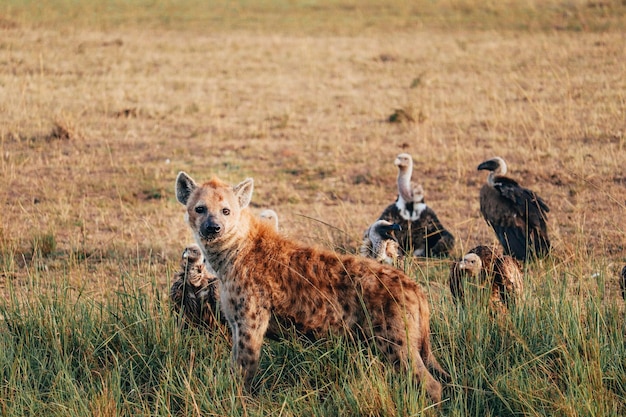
(428,229)
(517,215)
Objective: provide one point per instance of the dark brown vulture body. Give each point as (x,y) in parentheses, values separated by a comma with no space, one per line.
(194,294)
(498,272)
(517,215)
(424,236)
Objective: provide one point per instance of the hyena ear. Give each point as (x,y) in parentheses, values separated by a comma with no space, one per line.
(243,191)
(184,187)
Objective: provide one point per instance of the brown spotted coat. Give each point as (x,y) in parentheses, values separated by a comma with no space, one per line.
(261,272)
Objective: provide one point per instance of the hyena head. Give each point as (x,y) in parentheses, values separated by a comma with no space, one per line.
(213,208)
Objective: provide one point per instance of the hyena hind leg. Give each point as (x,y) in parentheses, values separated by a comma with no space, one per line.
(398,355)
(433,387)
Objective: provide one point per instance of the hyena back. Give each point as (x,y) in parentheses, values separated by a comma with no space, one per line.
(261,272)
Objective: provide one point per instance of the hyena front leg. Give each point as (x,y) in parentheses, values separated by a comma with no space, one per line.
(248,331)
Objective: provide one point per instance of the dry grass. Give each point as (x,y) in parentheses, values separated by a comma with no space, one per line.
(98,123)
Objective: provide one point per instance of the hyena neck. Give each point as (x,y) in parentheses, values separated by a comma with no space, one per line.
(222,252)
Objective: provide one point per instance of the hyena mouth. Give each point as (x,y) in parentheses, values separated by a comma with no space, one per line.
(209,231)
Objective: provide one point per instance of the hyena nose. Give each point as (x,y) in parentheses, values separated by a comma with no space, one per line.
(210,228)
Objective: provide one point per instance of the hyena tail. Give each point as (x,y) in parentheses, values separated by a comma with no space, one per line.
(434,366)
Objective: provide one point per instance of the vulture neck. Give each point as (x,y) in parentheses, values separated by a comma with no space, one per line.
(404,183)
(501,170)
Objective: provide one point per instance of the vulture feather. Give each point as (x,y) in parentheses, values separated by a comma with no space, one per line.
(488,268)
(379,243)
(194,295)
(422,233)
(517,215)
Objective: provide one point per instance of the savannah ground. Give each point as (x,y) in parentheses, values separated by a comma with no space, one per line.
(103,104)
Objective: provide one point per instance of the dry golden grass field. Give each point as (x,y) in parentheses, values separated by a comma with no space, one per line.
(98,118)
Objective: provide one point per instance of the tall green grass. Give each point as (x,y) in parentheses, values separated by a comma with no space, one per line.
(65,354)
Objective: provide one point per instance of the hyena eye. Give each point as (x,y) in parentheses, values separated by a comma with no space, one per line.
(201,209)
(226,211)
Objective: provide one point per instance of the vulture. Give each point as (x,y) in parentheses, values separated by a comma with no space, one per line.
(488,268)
(271,216)
(517,215)
(195,293)
(409,196)
(622,282)
(422,233)
(379,243)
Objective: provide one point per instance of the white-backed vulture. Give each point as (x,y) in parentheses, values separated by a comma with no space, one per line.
(517,215)
(487,267)
(379,243)
(422,233)
(409,194)
(622,282)
(194,293)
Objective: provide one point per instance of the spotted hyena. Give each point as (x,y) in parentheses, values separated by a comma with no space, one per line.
(260,273)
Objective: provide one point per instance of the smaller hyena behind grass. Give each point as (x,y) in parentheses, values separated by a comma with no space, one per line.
(261,273)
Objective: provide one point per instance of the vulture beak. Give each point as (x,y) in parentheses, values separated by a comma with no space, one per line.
(386,230)
(490,165)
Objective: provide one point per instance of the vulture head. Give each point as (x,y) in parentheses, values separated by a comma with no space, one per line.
(418,194)
(404,162)
(191,255)
(383,230)
(270,216)
(471,264)
(496,166)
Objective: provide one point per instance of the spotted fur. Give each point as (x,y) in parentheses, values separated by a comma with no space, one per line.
(261,272)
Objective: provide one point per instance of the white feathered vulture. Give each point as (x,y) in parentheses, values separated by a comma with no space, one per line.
(422,233)
(379,242)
